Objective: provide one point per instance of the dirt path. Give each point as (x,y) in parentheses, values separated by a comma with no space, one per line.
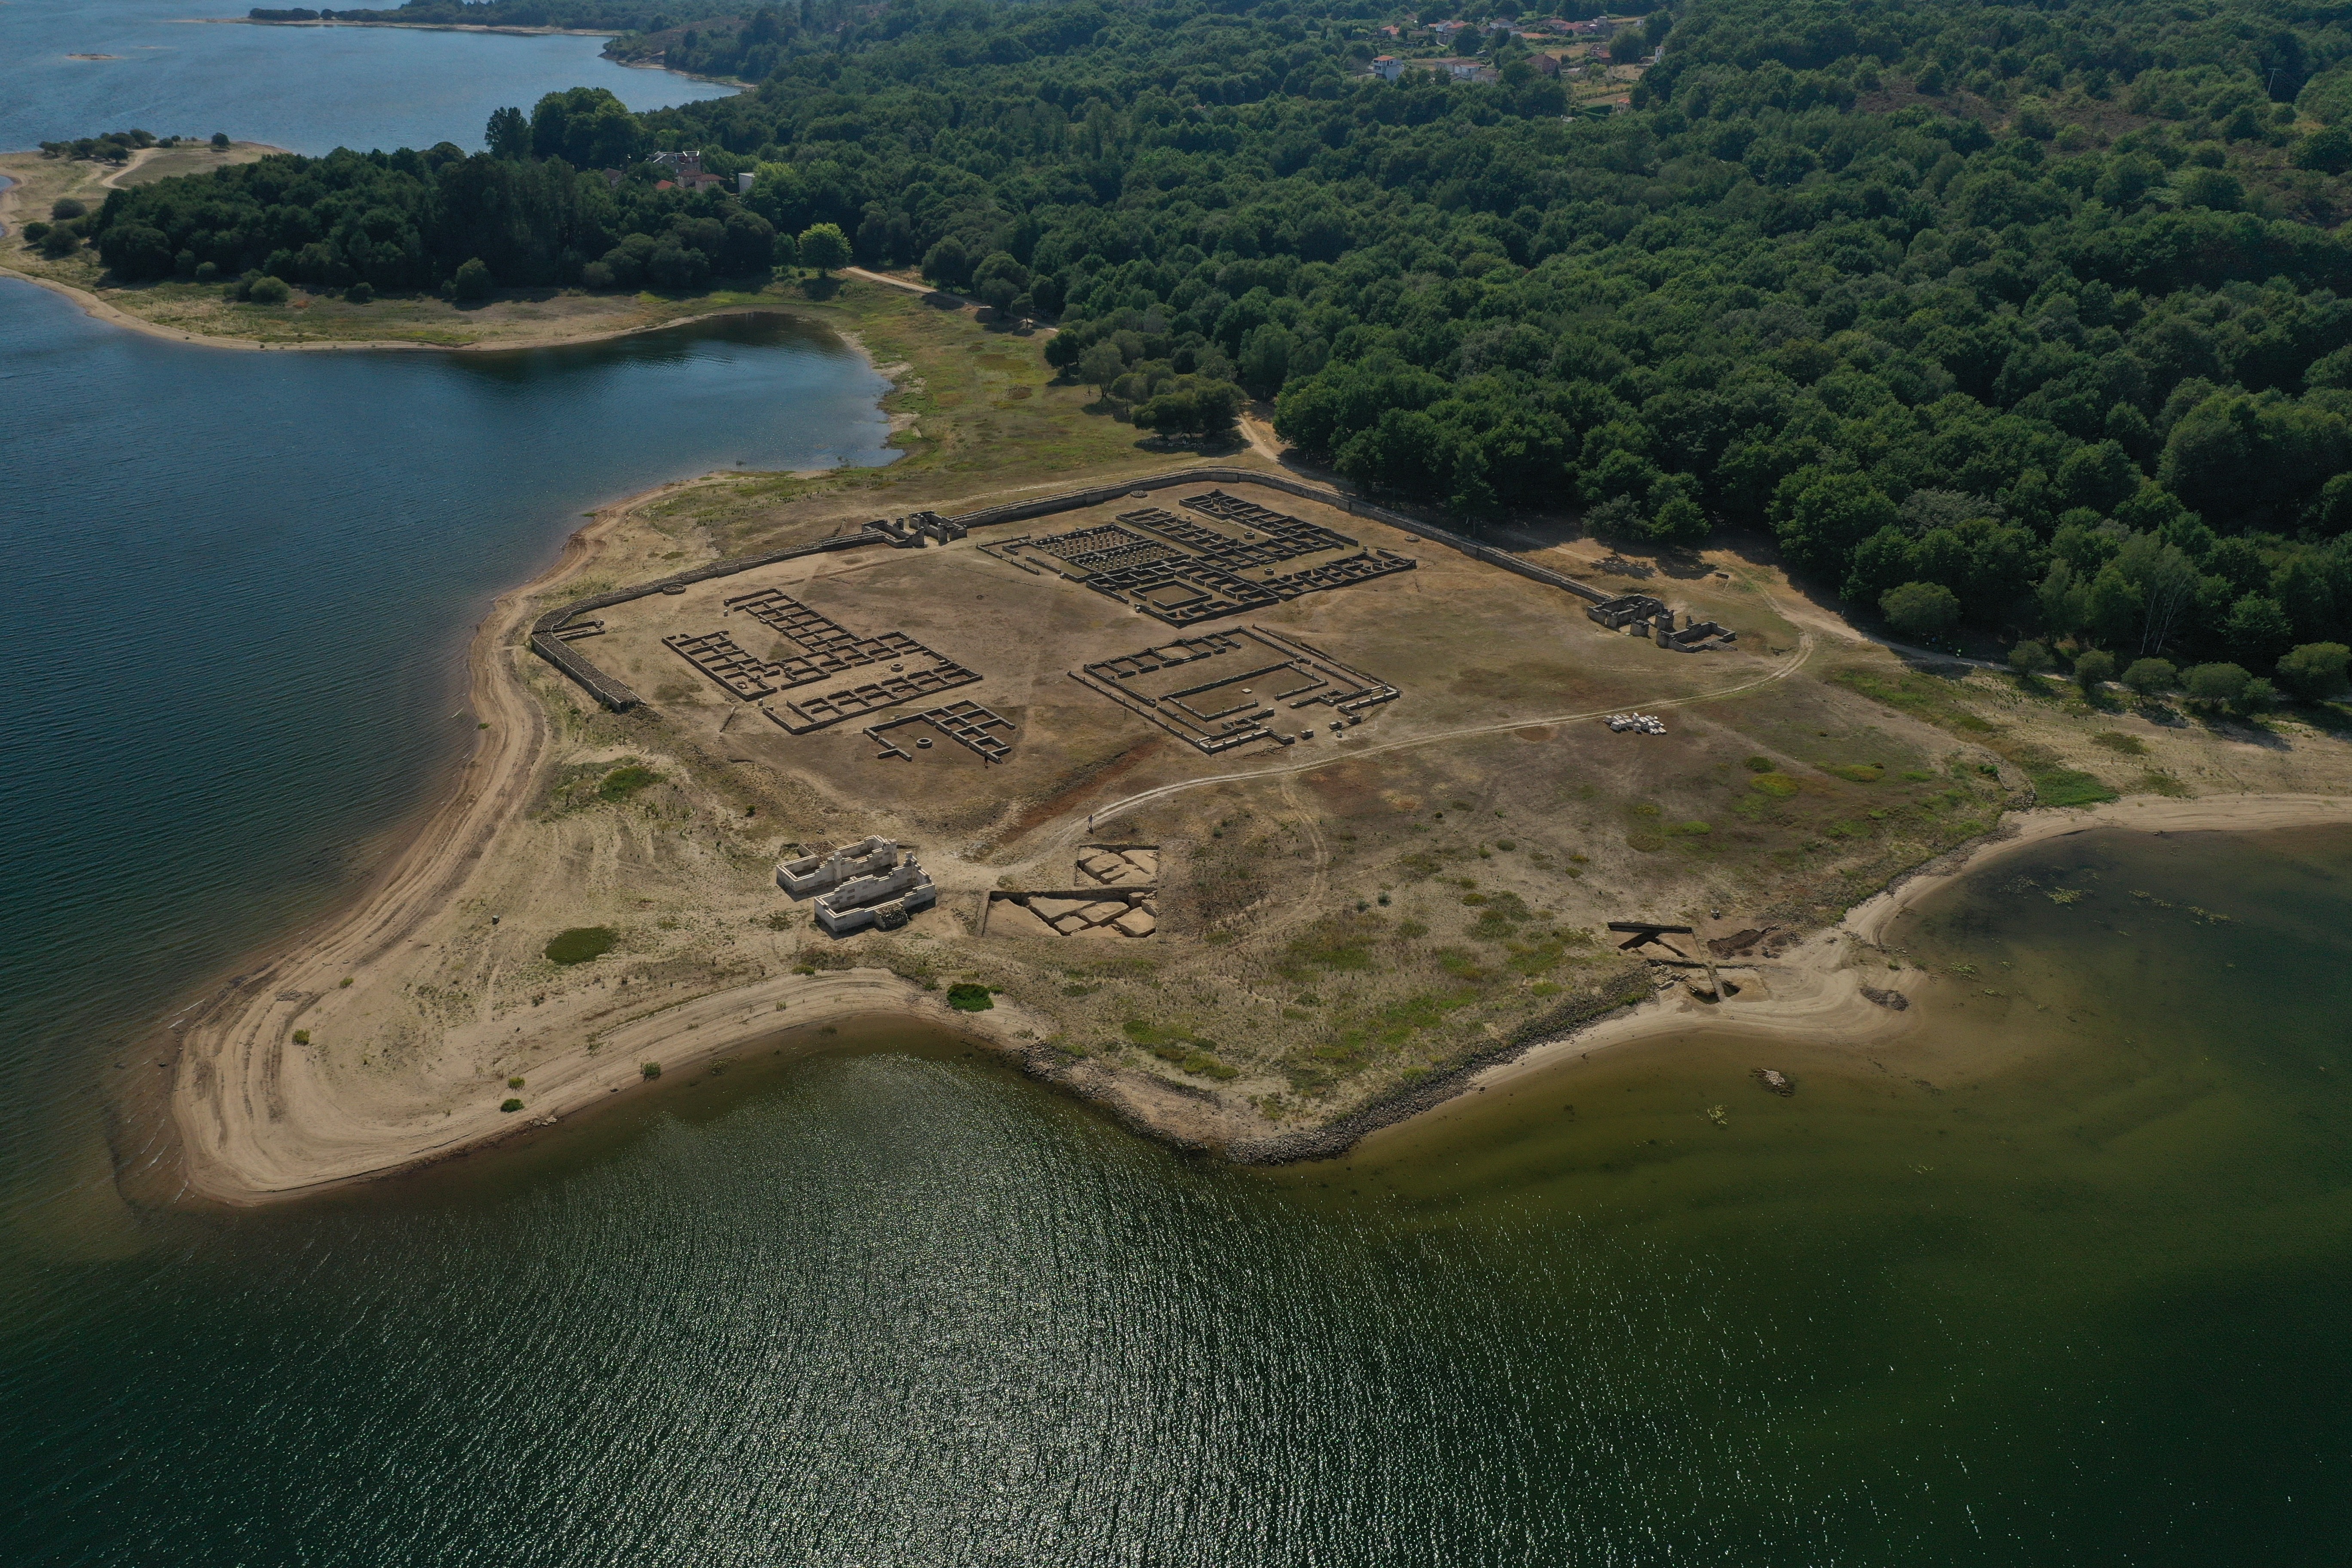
(1262,439)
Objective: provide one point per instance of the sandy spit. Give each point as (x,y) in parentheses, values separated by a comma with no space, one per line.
(1814,991)
(100,310)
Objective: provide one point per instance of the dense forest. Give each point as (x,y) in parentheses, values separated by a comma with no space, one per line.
(592,15)
(2044,309)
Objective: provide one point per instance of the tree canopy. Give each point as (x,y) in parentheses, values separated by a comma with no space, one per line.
(2046,308)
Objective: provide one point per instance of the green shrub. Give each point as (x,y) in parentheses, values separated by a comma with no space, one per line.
(582,943)
(970,998)
(301,1036)
(270,291)
(1780,786)
(2028,658)
(2150,676)
(510,1106)
(2314,671)
(1758,764)
(649,1069)
(361,292)
(2094,667)
(2069,787)
(1855,773)
(2217,683)
(514,1083)
(1189,1058)
(473,280)
(626,780)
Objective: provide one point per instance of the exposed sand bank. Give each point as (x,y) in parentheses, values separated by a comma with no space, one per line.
(257,1117)
(1813,992)
(556,337)
(419,1003)
(260,1117)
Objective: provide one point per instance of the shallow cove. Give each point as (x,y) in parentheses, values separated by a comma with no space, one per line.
(2075,1298)
(243,585)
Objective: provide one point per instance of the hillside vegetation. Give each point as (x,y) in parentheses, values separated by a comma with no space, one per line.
(2043,309)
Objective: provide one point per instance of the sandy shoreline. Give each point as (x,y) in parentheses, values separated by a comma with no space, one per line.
(1813,992)
(257,1116)
(98,310)
(256,1121)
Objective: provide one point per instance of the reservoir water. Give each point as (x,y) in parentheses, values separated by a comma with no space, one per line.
(2051,1287)
(242,586)
(308,90)
(2062,1283)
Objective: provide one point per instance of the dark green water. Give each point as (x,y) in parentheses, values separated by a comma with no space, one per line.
(240,589)
(2052,1286)
(2062,1282)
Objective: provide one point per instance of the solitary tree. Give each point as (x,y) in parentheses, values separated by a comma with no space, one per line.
(948,264)
(825,247)
(473,280)
(2028,658)
(2094,667)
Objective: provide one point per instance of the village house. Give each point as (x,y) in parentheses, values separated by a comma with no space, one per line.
(685,172)
(1387,68)
(1464,68)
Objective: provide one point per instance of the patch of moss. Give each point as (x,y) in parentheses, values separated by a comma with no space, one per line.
(581,943)
(968,998)
(1338,944)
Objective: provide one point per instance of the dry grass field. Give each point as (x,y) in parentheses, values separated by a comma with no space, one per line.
(1337,916)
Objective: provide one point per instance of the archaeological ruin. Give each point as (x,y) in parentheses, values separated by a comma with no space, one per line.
(1184,570)
(1117,895)
(826,649)
(1645,615)
(1229,688)
(967,724)
(859,885)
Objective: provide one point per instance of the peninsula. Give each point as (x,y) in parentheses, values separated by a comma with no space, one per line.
(1399,553)
(1256,875)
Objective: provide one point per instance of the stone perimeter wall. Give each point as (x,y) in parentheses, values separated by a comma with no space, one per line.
(612,694)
